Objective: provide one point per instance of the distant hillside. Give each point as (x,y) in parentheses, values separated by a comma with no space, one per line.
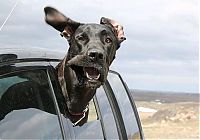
(163,97)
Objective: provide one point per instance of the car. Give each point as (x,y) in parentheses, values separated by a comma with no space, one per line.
(112,111)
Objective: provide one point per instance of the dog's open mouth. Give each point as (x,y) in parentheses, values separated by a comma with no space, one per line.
(88,73)
(91,73)
(87,76)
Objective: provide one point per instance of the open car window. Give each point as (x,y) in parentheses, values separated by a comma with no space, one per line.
(125,105)
(92,129)
(26,106)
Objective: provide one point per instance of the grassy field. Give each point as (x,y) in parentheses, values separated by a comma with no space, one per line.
(174,118)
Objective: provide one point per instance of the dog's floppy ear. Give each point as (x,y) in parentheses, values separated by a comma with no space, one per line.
(60,22)
(117,28)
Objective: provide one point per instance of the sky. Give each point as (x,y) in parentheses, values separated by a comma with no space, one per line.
(161,50)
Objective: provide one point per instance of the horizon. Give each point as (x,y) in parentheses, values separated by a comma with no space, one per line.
(163,91)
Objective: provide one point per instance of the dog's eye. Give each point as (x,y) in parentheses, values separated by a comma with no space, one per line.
(80,38)
(108,40)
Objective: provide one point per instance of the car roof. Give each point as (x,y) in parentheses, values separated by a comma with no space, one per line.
(32,52)
(33,56)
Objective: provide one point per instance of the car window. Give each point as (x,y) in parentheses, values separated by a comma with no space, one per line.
(26,107)
(125,106)
(101,122)
(108,121)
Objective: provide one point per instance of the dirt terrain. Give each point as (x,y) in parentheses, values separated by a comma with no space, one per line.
(168,116)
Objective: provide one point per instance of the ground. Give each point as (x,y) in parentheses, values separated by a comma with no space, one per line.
(171,118)
(171,121)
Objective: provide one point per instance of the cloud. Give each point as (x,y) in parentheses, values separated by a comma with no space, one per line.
(154,67)
(170,75)
(162,36)
(158,82)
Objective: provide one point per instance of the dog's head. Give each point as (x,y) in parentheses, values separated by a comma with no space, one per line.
(92,46)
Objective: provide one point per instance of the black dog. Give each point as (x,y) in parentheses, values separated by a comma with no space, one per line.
(84,69)
(91,52)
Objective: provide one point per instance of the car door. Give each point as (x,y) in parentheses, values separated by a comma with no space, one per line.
(112,114)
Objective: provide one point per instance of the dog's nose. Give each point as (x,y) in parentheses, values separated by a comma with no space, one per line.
(95,54)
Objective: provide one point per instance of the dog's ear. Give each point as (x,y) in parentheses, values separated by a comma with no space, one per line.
(117,28)
(60,22)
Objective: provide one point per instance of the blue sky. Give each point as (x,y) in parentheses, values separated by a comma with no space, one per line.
(161,50)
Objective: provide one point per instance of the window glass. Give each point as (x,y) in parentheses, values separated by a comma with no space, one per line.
(26,107)
(106,115)
(124,105)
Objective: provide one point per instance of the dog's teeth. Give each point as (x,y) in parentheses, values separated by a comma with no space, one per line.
(97,77)
(88,76)
(92,78)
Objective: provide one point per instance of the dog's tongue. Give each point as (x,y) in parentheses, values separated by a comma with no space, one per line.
(92,73)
